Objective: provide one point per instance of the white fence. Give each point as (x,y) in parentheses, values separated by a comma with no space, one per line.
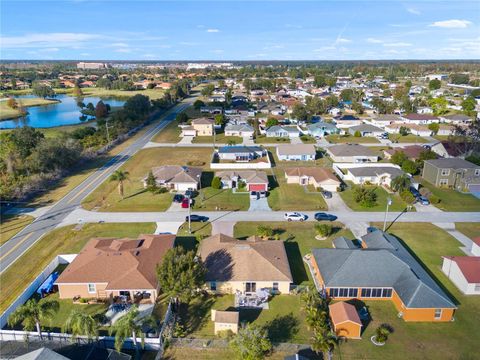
(34,285)
(239,165)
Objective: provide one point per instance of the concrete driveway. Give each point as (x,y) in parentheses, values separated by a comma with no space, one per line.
(259,205)
(168,227)
(223,227)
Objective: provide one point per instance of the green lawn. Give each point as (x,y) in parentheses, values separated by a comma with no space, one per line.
(454,340)
(181,353)
(64,240)
(397,203)
(299,240)
(307,139)
(169,134)
(11,225)
(262,139)
(153,94)
(452,200)
(221,199)
(190,241)
(8,113)
(341,139)
(469,229)
(410,138)
(107,198)
(220,138)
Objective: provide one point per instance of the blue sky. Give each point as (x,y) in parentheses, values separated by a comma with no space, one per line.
(235,30)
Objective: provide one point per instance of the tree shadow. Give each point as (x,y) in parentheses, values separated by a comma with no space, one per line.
(249,315)
(282,328)
(195,315)
(206,178)
(220,264)
(272,182)
(141,191)
(187,242)
(296,262)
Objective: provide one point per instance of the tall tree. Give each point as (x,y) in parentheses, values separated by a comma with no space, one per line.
(251,343)
(401,183)
(324,341)
(33,313)
(128,325)
(101,110)
(80,323)
(120,177)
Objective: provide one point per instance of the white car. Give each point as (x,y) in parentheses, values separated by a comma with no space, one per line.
(295,216)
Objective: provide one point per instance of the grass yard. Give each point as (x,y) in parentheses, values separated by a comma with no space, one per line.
(299,240)
(178,353)
(283,320)
(342,139)
(397,203)
(452,200)
(410,138)
(454,340)
(220,138)
(441,137)
(8,113)
(153,94)
(107,198)
(171,133)
(199,232)
(11,225)
(307,139)
(221,199)
(469,229)
(283,196)
(262,139)
(64,240)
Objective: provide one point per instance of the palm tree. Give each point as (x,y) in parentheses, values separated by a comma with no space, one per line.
(382,332)
(128,325)
(119,176)
(32,313)
(81,323)
(401,183)
(323,341)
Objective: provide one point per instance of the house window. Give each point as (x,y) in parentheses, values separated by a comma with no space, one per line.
(443,182)
(477,287)
(438,314)
(213,286)
(353,292)
(92,288)
(275,286)
(250,287)
(445,172)
(366,293)
(387,293)
(477,172)
(333,292)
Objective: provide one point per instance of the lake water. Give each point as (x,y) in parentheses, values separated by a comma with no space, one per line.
(59,114)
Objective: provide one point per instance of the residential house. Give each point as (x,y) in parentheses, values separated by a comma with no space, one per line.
(456,119)
(243,130)
(366,130)
(282,131)
(449,149)
(455,173)
(245,265)
(464,271)
(419,119)
(345,320)
(316,176)
(109,267)
(412,152)
(351,153)
(322,129)
(254,180)
(303,152)
(241,153)
(384,120)
(419,130)
(377,174)
(203,126)
(225,321)
(385,273)
(211,110)
(175,177)
(346,121)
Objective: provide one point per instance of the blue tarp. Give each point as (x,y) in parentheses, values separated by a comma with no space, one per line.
(47,285)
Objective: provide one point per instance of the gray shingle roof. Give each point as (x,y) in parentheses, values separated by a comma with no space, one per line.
(239,127)
(240,149)
(375,171)
(452,163)
(378,240)
(366,128)
(343,243)
(350,150)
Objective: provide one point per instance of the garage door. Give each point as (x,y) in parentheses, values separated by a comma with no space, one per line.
(256,187)
(474,188)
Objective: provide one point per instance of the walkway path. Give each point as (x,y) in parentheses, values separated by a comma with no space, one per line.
(223,227)
(259,205)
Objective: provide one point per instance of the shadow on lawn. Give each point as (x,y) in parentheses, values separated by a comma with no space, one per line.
(194,315)
(282,328)
(296,262)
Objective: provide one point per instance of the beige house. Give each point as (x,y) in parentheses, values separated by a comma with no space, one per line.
(351,153)
(245,265)
(106,268)
(318,177)
(225,321)
(203,126)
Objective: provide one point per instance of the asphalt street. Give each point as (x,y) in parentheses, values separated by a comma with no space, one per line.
(21,242)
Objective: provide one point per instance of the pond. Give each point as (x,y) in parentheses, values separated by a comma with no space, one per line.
(66,112)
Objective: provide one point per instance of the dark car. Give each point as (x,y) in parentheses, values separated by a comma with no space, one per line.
(190,194)
(197,218)
(327,194)
(178,198)
(423,200)
(414,191)
(325,216)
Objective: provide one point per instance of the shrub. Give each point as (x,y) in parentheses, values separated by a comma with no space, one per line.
(83,300)
(357,134)
(324,230)
(366,197)
(382,332)
(264,231)
(162,190)
(216,183)
(434,199)
(195,163)
(407,196)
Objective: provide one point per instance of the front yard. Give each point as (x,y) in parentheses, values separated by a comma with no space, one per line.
(451,200)
(107,198)
(410,138)
(397,203)
(220,138)
(262,139)
(211,199)
(469,229)
(342,139)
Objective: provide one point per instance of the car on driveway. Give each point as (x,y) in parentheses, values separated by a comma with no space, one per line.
(178,198)
(324,216)
(295,216)
(190,193)
(327,194)
(414,192)
(254,195)
(197,218)
(186,202)
(423,200)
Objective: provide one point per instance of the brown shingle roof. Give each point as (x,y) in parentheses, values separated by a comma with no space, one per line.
(229,259)
(341,312)
(469,266)
(226,317)
(121,263)
(202,121)
(176,174)
(319,174)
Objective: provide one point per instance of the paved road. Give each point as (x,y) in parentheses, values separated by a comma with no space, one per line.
(16,246)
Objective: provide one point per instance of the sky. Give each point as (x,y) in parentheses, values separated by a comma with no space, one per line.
(239,30)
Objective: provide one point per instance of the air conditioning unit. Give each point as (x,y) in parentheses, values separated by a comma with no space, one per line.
(400,314)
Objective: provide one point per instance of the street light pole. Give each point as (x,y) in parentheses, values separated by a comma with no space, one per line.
(189,216)
(389,202)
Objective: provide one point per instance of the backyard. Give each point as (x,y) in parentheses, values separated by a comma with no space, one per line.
(340,139)
(299,240)
(423,340)
(410,138)
(398,204)
(65,240)
(107,198)
(262,139)
(451,200)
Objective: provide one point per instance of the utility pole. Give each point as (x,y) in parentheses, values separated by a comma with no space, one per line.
(189,216)
(389,202)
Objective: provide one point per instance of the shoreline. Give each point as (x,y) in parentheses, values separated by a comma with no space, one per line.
(13,117)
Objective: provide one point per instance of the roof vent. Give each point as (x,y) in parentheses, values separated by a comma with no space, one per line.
(137,253)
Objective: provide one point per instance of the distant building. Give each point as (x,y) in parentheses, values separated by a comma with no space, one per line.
(91,66)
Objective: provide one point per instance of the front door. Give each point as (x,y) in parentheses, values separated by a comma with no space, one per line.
(250,287)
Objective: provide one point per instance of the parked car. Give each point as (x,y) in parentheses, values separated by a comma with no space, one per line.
(178,198)
(254,195)
(262,194)
(371,229)
(327,194)
(423,200)
(414,192)
(186,202)
(190,193)
(197,218)
(324,216)
(295,216)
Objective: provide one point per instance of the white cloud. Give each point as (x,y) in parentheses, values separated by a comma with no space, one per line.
(452,24)
(324,48)
(188,43)
(46,40)
(341,40)
(213,30)
(397,44)
(52,49)
(119,44)
(374,41)
(413,11)
(149,56)
(123,50)
(217,51)
(84,54)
